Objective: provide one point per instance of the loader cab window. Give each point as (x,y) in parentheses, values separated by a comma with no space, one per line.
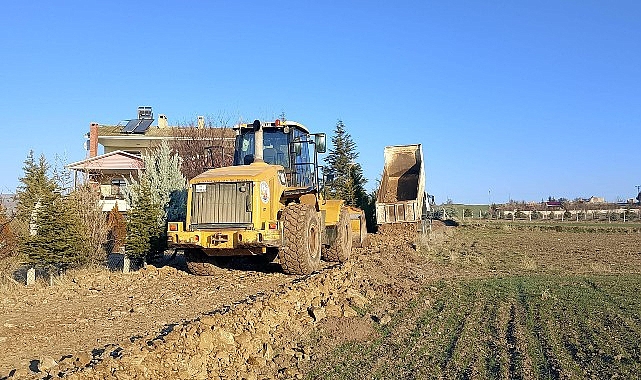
(303,167)
(275,147)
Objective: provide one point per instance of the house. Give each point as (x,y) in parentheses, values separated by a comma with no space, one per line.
(108,172)
(123,145)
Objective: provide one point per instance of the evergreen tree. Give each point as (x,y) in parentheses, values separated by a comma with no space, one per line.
(54,233)
(56,236)
(34,185)
(143,230)
(348,181)
(167,184)
(161,191)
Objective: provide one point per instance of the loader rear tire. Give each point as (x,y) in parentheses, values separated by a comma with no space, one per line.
(301,250)
(341,249)
(200,264)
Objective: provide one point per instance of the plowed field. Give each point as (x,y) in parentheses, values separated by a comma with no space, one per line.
(510,305)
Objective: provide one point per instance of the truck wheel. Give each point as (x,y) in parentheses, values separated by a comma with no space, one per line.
(200,264)
(342,247)
(300,253)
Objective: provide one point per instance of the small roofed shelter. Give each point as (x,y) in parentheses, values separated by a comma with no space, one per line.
(108,172)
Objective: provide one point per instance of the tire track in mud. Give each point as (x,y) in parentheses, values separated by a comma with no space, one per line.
(515,357)
(470,349)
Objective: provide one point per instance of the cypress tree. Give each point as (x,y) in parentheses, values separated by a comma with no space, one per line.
(117,229)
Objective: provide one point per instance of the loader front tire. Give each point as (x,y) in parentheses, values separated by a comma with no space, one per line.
(341,249)
(300,253)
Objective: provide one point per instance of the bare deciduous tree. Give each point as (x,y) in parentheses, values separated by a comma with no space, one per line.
(209,145)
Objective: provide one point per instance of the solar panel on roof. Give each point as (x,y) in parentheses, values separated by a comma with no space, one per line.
(143,126)
(131,125)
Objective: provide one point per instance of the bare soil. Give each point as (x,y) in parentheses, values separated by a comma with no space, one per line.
(91,308)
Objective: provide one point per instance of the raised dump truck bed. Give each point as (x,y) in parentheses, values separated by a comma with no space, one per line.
(401,197)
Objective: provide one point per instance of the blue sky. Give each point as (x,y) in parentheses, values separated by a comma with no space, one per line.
(516,100)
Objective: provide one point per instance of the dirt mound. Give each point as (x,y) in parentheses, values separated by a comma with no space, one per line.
(256,337)
(163,322)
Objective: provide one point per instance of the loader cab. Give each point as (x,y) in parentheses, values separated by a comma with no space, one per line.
(288,144)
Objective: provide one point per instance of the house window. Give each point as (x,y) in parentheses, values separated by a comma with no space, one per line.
(117,187)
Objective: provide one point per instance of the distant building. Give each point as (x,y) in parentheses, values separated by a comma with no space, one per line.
(9,203)
(554,205)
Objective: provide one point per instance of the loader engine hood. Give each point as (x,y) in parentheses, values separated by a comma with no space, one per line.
(258,171)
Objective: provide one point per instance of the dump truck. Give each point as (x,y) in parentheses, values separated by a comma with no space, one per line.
(401,197)
(269,203)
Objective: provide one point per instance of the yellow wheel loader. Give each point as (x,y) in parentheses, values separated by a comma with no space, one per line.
(268,203)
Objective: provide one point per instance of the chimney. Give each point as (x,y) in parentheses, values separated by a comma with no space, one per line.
(93,140)
(201,122)
(162,121)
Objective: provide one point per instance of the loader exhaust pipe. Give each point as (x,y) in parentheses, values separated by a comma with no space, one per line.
(258,141)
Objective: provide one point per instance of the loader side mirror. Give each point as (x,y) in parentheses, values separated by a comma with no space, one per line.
(320,140)
(298,147)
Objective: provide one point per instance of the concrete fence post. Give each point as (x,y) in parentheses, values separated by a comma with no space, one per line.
(126,264)
(31,276)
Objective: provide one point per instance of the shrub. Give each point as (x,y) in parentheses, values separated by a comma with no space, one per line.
(93,225)
(8,236)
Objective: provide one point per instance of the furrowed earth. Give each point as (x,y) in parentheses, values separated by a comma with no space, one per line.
(474,301)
